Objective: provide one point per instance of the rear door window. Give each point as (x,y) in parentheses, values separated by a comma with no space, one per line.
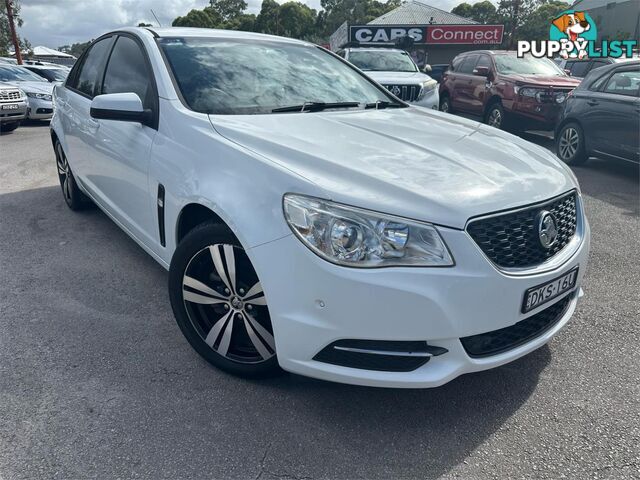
(87,79)
(580,69)
(624,83)
(468,64)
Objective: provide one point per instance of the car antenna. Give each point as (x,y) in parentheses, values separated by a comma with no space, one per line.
(154,16)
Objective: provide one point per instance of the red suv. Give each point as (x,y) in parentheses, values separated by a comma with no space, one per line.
(508,92)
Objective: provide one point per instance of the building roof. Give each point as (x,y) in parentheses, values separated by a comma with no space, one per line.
(591,4)
(46,52)
(418,13)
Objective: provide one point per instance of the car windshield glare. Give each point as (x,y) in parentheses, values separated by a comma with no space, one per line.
(510,64)
(380,61)
(235,77)
(10,73)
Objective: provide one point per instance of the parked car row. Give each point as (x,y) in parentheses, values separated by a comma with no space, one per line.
(596,116)
(26,92)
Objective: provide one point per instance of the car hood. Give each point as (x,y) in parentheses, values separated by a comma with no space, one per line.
(390,78)
(411,162)
(544,80)
(34,87)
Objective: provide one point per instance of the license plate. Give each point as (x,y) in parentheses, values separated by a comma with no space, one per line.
(9,107)
(536,296)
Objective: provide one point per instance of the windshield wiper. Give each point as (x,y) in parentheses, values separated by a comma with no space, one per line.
(380,104)
(315,107)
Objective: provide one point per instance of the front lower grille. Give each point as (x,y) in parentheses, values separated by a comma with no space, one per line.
(511,239)
(9,95)
(408,93)
(379,355)
(499,341)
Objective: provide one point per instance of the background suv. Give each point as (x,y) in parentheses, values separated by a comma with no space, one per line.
(508,92)
(602,116)
(397,72)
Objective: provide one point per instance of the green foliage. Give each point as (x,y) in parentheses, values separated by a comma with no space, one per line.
(538,22)
(75,49)
(228,9)
(6,44)
(142,24)
(522,19)
(268,20)
(206,18)
(482,12)
(335,12)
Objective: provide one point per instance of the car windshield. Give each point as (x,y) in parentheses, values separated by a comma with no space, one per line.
(56,74)
(9,73)
(381,61)
(236,76)
(510,64)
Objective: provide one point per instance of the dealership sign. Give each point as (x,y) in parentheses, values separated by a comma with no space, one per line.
(428,34)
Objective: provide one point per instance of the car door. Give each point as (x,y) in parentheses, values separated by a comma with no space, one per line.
(616,112)
(464,84)
(74,103)
(119,170)
(479,85)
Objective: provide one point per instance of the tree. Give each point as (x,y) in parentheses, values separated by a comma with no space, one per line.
(537,25)
(297,20)
(6,43)
(142,24)
(482,12)
(335,12)
(245,23)
(228,9)
(206,18)
(514,14)
(75,49)
(268,20)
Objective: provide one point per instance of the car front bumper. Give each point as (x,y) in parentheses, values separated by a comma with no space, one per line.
(314,303)
(40,109)
(15,114)
(430,100)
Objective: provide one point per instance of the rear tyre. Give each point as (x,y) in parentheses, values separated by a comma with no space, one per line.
(219,304)
(445,104)
(9,127)
(75,199)
(570,144)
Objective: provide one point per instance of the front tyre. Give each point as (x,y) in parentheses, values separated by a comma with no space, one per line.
(570,144)
(219,304)
(75,199)
(445,104)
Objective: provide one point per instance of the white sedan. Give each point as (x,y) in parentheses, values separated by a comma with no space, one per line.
(311,221)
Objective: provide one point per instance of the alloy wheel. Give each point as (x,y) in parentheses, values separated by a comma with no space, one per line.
(495,118)
(64,173)
(445,106)
(226,304)
(569,143)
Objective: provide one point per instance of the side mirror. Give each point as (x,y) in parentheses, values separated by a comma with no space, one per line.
(427,68)
(481,71)
(567,71)
(125,107)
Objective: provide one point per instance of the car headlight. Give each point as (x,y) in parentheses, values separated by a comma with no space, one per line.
(560,97)
(39,96)
(529,92)
(427,87)
(360,238)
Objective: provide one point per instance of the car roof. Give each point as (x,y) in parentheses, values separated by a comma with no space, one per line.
(189,32)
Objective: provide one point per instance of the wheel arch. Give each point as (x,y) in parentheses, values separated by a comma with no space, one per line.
(194,214)
(492,100)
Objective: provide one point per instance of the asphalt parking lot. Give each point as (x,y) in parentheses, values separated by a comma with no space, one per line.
(96,380)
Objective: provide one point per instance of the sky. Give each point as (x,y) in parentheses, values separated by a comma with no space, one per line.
(54,23)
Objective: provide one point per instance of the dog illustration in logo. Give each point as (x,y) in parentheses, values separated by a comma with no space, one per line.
(573,25)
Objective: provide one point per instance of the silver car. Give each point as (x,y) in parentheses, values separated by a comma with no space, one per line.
(13,107)
(38,90)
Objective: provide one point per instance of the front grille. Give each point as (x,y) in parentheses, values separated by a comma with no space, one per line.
(379,355)
(549,96)
(499,341)
(8,95)
(408,93)
(511,239)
